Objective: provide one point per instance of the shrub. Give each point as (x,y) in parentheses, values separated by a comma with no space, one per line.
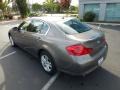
(33,14)
(1,17)
(74,15)
(89,16)
(36,7)
(5,16)
(10,16)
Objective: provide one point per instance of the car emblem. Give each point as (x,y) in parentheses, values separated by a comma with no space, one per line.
(98,42)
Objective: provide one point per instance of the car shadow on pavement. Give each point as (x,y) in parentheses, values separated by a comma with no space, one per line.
(100,79)
(21,71)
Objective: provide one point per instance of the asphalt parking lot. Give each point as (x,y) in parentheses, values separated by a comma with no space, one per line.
(21,71)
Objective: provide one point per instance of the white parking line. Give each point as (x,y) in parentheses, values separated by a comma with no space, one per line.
(50,82)
(5,47)
(7,55)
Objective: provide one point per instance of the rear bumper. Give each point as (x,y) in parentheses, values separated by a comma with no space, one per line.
(78,68)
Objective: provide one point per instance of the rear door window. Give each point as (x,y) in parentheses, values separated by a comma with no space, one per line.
(44,28)
(38,26)
(35,26)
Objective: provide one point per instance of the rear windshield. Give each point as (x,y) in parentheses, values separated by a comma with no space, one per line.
(73,26)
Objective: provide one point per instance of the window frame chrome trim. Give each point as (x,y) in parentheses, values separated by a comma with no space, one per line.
(45,23)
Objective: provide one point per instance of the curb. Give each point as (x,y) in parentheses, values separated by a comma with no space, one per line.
(4,47)
(112,24)
(5,22)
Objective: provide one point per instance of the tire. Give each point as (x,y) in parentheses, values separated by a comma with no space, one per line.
(47,63)
(12,41)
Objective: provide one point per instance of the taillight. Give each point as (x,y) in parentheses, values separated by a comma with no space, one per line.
(78,50)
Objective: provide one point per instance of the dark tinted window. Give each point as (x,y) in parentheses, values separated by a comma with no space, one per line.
(34,26)
(73,26)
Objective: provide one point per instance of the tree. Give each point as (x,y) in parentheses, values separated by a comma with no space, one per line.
(3,6)
(49,1)
(56,7)
(36,7)
(23,8)
(64,4)
(73,9)
(4,9)
(14,7)
(51,6)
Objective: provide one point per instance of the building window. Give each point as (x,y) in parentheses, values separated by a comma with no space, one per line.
(113,12)
(93,8)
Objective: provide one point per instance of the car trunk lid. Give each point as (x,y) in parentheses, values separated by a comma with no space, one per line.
(92,39)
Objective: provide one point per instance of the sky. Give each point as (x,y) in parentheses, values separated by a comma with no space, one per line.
(74,2)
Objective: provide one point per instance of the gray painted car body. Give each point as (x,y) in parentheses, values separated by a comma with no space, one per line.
(55,42)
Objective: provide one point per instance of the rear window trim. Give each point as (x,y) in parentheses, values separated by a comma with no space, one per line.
(63,22)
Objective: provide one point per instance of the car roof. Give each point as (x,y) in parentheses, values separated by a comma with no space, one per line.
(53,19)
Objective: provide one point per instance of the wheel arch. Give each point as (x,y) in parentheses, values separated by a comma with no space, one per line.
(9,34)
(50,52)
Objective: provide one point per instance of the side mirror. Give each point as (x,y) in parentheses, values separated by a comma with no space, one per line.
(15,28)
(21,30)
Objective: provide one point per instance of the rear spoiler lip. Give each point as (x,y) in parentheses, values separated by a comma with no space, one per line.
(82,40)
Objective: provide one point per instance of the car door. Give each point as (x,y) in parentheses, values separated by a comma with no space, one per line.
(36,31)
(20,33)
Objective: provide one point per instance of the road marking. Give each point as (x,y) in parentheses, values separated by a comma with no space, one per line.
(50,82)
(7,55)
(4,48)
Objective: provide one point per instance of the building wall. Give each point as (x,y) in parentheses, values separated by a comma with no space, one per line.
(105,9)
(99,1)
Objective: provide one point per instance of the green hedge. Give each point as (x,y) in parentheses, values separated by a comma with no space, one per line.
(89,16)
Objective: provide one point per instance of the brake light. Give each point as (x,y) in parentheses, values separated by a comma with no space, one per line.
(78,50)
